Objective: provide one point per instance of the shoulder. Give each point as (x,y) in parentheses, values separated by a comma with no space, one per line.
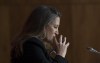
(34,44)
(33,41)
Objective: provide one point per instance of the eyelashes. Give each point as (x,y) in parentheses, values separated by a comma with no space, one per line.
(55,27)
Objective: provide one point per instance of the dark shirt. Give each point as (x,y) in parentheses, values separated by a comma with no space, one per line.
(35,52)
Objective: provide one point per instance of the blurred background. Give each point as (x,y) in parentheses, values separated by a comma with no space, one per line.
(80,22)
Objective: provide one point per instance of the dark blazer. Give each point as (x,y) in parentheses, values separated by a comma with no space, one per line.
(35,52)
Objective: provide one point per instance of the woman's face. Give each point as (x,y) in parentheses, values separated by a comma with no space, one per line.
(52,28)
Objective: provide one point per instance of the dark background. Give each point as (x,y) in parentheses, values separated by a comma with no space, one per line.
(80,22)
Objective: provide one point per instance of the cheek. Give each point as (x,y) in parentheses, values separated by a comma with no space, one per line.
(50,33)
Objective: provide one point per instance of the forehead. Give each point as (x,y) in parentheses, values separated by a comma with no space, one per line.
(56,21)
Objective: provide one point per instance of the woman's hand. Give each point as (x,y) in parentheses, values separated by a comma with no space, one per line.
(61,46)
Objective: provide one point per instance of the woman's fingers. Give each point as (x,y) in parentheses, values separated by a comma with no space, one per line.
(60,39)
(55,39)
(64,41)
(61,46)
(67,44)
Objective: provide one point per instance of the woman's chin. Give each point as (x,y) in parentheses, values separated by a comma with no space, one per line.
(50,38)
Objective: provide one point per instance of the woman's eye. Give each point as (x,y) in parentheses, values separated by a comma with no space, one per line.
(55,27)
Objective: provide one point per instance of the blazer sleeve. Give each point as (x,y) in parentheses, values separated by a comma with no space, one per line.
(34,54)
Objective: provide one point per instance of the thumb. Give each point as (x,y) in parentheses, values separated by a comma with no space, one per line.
(67,44)
(55,40)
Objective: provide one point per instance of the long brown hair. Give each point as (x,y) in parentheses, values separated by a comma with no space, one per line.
(34,26)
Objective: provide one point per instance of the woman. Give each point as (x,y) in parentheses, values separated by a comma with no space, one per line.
(40,28)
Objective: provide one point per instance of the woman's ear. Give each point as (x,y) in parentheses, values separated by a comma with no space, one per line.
(46,28)
(45,31)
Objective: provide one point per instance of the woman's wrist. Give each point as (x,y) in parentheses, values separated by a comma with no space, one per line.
(61,55)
